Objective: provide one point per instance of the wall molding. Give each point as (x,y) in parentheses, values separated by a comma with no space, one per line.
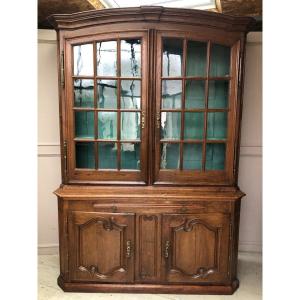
(53,150)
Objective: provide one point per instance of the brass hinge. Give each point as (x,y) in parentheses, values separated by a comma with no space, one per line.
(65,150)
(62,69)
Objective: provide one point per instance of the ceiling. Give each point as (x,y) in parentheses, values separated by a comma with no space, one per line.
(232,7)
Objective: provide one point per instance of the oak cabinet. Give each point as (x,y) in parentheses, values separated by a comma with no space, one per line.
(150,117)
(101,247)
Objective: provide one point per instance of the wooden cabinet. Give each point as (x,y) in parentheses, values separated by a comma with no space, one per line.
(150,116)
(101,247)
(196,247)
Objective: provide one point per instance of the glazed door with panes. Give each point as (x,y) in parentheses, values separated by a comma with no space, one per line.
(195,109)
(106,99)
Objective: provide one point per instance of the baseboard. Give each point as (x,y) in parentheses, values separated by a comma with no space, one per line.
(48,249)
(244,246)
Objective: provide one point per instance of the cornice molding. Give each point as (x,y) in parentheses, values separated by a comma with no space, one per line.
(151,14)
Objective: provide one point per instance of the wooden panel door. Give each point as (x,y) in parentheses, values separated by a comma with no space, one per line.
(195,247)
(101,246)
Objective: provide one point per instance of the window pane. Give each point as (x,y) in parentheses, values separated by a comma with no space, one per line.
(85,157)
(194,94)
(170,156)
(131,94)
(107,125)
(107,58)
(219,60)
(131,58)
(130,156)
(84,124)
(215,156)
(83,60)
(130,125)
(107,155)
(170,125)
(196,58)
(107,93)
(217,125)
(172,57)
(192,156)
(171,93)
(83,93)
(193,125)
(218,94)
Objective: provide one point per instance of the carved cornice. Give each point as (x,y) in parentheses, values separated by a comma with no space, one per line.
(151,14)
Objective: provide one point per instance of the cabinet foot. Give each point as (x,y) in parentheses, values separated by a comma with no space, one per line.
(148,288)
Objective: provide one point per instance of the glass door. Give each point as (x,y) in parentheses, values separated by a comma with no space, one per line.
(107,115)
(193,110)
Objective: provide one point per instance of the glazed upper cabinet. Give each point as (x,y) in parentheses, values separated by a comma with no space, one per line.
(150,106)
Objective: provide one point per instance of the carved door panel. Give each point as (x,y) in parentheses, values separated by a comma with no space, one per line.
(195,247)
(148,248)
(101,246)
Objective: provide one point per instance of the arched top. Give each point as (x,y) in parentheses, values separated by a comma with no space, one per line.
(151,14)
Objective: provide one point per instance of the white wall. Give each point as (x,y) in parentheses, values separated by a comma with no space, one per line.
(250,177)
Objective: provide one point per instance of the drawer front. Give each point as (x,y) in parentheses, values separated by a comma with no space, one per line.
(101,246)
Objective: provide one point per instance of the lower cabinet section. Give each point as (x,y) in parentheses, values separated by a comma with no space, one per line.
(148,248)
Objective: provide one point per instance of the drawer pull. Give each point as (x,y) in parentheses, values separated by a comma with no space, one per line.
(167,247)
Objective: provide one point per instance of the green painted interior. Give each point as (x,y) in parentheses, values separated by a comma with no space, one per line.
(130,156)
(84,124)
(215,156)
(216,125)
(107,155)
(83,93)
(192,156)
(219,60)
(196,58)
(85,155)
(170,156)
(194,94)
(218,94)
(193,125)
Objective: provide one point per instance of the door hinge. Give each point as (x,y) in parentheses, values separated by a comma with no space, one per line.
(65,153)
(62,69)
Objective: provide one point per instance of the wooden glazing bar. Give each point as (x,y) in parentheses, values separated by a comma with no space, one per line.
(95,105)
(182,103)
(106,109)
(195,110)
(206,105)
(196,78)
(119,104)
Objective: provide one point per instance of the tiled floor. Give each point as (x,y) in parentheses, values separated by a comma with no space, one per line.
(249,275)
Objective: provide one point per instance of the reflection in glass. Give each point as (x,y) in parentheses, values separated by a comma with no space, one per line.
(107,58)
(170,156)
(107,125)
(219,60)
(83,60)
(172,57)
(217,125)
(218,94)
(215,156)
(85,157)
(193,125)
(192,156)
(170,125)
(130,125)
(171,93)
(131,58)
(84,124)
(131,94)
(107,155)
(107,93)
(194,94)
(83,93)
(130,156)
(196,58)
